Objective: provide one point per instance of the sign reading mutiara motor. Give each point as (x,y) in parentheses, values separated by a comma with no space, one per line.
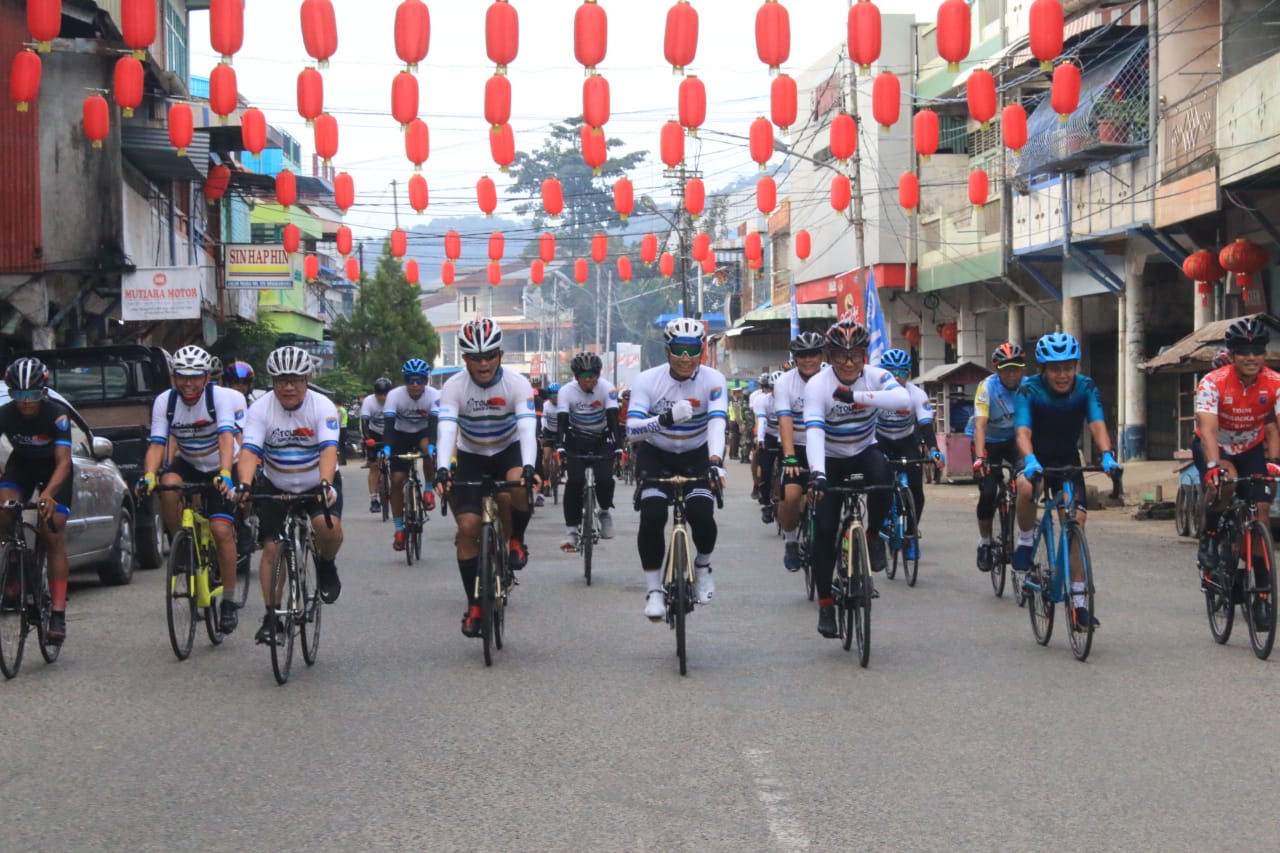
(258,266)
(168,293)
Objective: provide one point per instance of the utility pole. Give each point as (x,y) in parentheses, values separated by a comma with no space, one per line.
(851,104)
(682,176)
(395,202)
(608,315)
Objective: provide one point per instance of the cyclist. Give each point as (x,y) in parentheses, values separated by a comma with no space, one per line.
(841,406)
(373,431)
(788,399)
(767,446)
(199,420)
(908,432)
(1236,434)
(587,424)
(215,371)
(488,415)
(758,435)
(1052,409)
(239,377)
(679,411)
(292,431)
(1222,358)
(409,425)
(991,429)
(39,430)
(548,425)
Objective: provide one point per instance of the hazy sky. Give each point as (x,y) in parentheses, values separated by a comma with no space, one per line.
(545,78)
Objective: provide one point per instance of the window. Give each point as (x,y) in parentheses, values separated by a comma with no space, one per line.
(175,43)
(94,384)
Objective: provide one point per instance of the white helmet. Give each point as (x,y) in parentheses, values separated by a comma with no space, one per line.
(479,335)
(684,330)
(192,361)
(774,377)
(290,361)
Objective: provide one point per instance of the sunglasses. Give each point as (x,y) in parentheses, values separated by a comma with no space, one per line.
(481,356)
(589,374)
(809,353)
(1249,349)
(27,395)
(287,381)
(847,355)
(685,350)
(415,380)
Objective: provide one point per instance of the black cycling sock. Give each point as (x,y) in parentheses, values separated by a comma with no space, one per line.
(520,522)
(468,570)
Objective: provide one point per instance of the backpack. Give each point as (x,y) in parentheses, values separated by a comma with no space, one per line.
(173,404)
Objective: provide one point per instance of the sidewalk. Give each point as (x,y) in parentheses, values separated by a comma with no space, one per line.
(1143,481)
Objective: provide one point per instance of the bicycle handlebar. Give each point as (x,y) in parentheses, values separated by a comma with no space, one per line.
(1117,475)
(183,487)
(315,493)
(710,481)
(489,484)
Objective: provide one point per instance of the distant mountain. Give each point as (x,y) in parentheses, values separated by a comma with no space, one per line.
(426,242)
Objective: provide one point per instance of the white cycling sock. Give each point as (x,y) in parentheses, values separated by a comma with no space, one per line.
(790,536)
(984,540)
(702,561)
(1077,600)
(1026,537)
(570,530)
(652,580)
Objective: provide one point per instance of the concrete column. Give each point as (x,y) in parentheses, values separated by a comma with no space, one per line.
(932,349)
(970,337)
(1016,325)
(42,337)
(1073,317)
(1133,440)
(1201,315)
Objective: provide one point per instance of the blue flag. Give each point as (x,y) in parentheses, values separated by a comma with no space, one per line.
(795,312)
(876,328)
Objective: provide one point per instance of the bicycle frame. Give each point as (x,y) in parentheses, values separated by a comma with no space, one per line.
(1064,501)
(206,551)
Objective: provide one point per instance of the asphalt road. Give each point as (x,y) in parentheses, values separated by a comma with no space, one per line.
(962,735)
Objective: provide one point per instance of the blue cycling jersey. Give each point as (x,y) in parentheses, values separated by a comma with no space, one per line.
(997,404)
(1056,420)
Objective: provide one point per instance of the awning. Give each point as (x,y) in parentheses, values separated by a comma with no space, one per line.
(309,188)
(812,311)
(1194,353)
(149,149)
(961,373)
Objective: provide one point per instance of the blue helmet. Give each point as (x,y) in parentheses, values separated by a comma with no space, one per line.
(896,359)
(416,367)
(553,388)
(1057,346)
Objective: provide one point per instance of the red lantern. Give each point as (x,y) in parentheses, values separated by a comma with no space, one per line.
(1244,258)
(926,131)
(909,192)
(953,33)
(536,272)
(319,30)
(595,100)
(127,86)
(497,246)
(286,188)
(291,237)
(841,193)
(44,22)
(599,247)
(672,148)
(344,191)
(979,187)
(138,25)
(911,334)
(1047,31)
(580,270)
(1013,126)
(886,99)
(253,130)
(24,78)
(216,182)
(343,240)
(502,146)
(353,270)
(624,268)
(864,34)
(693,104)
(761,138)
(701,246)
(666,265)
(411,274)
(404,98)
(497,100)
(311,267)
(844,137)
(326,137)
(97,119)
(624,198)
(223,94)
(680,43)
(487,195)
(495,273)
(980,92)
(695,196)
(648,248)
(782,101)
(709,265)
(181,127)
(1203,268)
(413,32)
(452,245)
(502,34)
(418,195)
(753,246)
(948,332)
(755,263)
(595,148)
(552,196)
(226,27)
(804,245)
(547,247)
(310,94)
(417,143)
(773,34)
(1064,97)
(766,195)
(590,35)
(447,273)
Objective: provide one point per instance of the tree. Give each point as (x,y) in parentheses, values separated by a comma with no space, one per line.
(246,340)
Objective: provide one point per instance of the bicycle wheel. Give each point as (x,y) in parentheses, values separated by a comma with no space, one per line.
(504,580)
(1081,636)
(680,570)
(13,612)
(285,580)
(384,494)
(806,553)
(211,624)
(894,543)
(1038,588)
(410,519)
(910,532)
(1259,584)
(1182,511)
(860,595)
(588,530)
(244,563)
(1219,602)
(999,551)
(180,600)
(44,607)
(309,615)
(484,582)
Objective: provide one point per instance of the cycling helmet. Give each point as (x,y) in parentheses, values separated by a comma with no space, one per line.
(1247,331)
(27,374)
(479,335)
(192,361)
(847,335)
(626,395)
(381,385)
(1057,346)
(896,359)
(290,361)
(806,342)
(215,368)
(416,367)
(553,389)
(685,330)
(1007,353)
(239,371)
(1222,358)
(586,362)
(774,377)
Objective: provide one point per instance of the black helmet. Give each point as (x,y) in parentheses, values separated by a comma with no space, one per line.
(1247,331)
(382,385)
(585,362)
(806,342)
(847,335)
(27,374)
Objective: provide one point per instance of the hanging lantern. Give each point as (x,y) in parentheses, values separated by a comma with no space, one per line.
(223,94)
(502,146)
(24,78)
(666,265)
(595,148)
(343,240)
(864,34)
(286,188)
(909,192)
(319,30)
(782,101)
(326,137)
(766,195)
(1203,268)
(773,34)
(418,195)
(547,247)
(253,130)
(980,92)
(761,139)
(411,273)
(353,270)
(537,272)
(953,33)
(181,127)
(311,268)
(127,85)
(486,195)
(44,22)
(979,187)
(344,191)
(417,143)
(926,131)
(755,263)
(949,333)
(502,34)
(590,35)
(709,265)
(701,246)
(624,198)
(310,94)
(753,246)
(803,244)
(97,119)
(291,237)
(216,182)
(413,32)
(497,246)
(1244,258)
(497,100)
(404,98)
(693,104)
(1047,32)
(595,100)
(886,99)
(138,21)
(599,247)
(648,248)
(447,273)
(695,196)
(1064,97)
(672,149)
(841,193)
(844,137)
(452,245)
(580,270)
(624,268)
(226,27)
(911,334)
(552,196)
(680,44)
(495,273)
(1013,126)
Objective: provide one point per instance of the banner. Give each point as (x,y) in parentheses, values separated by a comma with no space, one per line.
(258,266)
(161,293)
(876,328)
(849,296)
(795,312)
(628,367)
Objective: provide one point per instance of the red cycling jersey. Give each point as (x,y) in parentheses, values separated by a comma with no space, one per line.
(1241,411)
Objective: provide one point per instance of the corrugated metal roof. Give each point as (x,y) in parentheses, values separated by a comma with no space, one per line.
(149,149)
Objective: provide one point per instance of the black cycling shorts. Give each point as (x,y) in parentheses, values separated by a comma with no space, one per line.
(406,442)
(474,466)
(802,477)
(24,475)
(271,515)
(212,503)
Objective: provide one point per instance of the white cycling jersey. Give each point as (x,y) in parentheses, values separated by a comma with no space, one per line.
(411,415)
(902,423)
(194,431)
(788,401)
(486,420)
(550,414)
(766,414)
(587,410)
(654,393)
(289,442)
(842,429)
(373,412)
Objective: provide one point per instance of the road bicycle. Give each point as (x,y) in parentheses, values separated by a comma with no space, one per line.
(191,579)
(1001,549)
(804,539)
(775,490)
(851,587)
(25,603)
(1062,561)
(384,487)
(901,530)
(1188,505)
(1245,572)
(415,509)
(589,531)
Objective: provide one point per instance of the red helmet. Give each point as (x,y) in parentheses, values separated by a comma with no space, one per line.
(1008,353)
(846,335)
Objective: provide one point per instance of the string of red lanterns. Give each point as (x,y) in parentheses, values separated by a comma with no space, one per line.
(226,27)
(412,34)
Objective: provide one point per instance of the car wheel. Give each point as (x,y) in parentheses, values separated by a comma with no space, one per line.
(118,570)
(153,543)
